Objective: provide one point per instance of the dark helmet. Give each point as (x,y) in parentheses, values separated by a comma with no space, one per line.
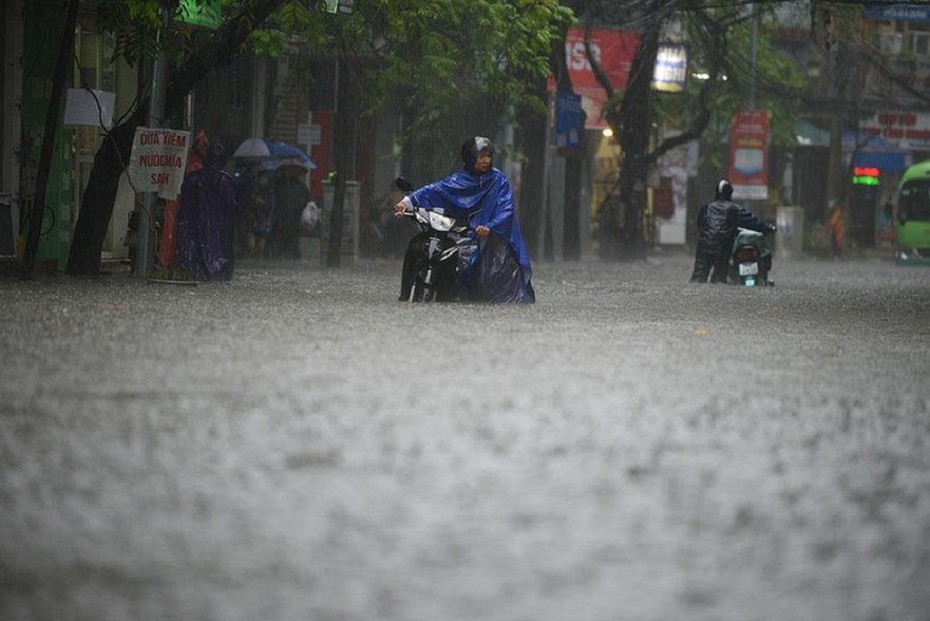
(724,190)
(474,147)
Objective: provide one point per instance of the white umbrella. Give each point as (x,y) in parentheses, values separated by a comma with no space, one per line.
(253,147)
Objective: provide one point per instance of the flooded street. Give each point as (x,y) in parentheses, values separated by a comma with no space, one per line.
(297,444)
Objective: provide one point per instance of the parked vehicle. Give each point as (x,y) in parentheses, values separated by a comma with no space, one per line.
(913,226)
(437,255)
(750,259)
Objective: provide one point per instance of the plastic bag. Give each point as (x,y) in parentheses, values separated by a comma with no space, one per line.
(309,218)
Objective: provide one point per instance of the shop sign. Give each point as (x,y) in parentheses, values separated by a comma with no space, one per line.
(671,70)
(205,13)
(614,51)
(906,131)
(903,12)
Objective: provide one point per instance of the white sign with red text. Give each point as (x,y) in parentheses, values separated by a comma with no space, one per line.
(908,131)
(159,157)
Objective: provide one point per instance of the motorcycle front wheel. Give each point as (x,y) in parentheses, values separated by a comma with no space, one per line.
(422,292)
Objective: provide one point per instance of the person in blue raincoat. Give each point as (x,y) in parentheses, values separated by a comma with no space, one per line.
(501,271)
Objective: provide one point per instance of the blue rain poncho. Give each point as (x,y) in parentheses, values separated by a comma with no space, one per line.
(206,221)
(502,271)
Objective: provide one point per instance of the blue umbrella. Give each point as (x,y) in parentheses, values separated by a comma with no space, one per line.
(273,154)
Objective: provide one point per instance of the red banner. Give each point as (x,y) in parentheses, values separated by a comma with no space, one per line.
(614,51)
(749,148)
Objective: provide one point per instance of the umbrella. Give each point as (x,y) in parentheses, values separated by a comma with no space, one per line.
(283,154)
(253,148)
(273,154)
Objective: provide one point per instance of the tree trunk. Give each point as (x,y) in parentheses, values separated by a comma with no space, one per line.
(99,197)
(571,211)
(343,148)
(62,67)
(635,130)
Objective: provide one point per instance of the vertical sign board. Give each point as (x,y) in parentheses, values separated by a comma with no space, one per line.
(569,122)
(749,147)
(158,161)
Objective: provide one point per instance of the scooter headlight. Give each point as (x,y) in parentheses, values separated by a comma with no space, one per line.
(440,222)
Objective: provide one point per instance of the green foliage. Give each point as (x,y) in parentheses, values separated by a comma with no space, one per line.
(462,65)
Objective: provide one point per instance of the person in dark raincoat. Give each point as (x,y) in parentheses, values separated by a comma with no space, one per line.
(292,196)
(500,271)
(206,220)
(717,224)
(166,252)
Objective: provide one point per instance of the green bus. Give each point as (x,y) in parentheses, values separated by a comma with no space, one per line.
(913,228)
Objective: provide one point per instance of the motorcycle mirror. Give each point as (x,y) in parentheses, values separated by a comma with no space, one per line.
(403,185)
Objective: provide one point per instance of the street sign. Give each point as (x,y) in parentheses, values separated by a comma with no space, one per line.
(309,134)
(158,161)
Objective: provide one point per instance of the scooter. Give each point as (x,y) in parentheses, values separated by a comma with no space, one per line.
(750,259)
(437,255)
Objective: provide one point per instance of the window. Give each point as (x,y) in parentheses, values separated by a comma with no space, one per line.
(920,43)
(914,200)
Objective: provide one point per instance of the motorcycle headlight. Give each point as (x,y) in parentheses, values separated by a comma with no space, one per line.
(440,222)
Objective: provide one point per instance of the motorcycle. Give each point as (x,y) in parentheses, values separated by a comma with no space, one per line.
(438,255)
(750,259)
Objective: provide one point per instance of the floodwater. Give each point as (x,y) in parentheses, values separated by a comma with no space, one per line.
(298,445)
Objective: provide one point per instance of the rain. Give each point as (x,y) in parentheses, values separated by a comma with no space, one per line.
(297,444)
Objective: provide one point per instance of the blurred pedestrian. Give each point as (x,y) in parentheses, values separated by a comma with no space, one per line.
(207,220)
(264,201)
(837,226)
(166,253)
(292,196)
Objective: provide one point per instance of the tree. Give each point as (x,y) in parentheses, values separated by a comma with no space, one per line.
(719,41)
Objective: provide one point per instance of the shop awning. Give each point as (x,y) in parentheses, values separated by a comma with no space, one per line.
(809,135)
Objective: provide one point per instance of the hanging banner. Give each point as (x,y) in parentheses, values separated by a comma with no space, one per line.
(159,157)
(749,147)
(614,51)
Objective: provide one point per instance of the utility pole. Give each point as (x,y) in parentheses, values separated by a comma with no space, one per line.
(156,118)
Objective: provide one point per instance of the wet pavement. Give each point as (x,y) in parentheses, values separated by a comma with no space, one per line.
(298,445)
